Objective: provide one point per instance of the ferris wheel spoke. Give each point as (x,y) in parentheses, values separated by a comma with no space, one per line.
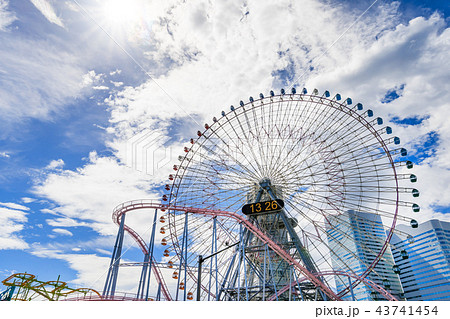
(300,168)
(333,124)
(363,158)
(233,148)
(208,158)
(258,131)
(349,133)
(304,132)
(246,137)
(282,128)
(322,116)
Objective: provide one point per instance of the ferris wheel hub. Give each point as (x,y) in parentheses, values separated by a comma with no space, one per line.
(265,182)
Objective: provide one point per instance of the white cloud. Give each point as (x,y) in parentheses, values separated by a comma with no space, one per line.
(104,251)
(221,55)
(116,72)
(89,194)
(117,84)
(50,75)
(15,206)
(62,231)
(89,267)
(72,6)
(4,154)
(91,78)
(433,182)
(6,17)
(55,164)
(100,87)
(47,10)
(11,223)
(65,222)
(92,269)
(411,55)
(28,200)
(48,211)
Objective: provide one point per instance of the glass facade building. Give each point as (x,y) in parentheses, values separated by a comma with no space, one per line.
(355,238)
(424,260)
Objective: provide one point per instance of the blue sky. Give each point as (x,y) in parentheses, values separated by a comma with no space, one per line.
(81,79)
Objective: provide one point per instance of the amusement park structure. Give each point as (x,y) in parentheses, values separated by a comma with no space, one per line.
(258,197)
(25,287)
(252,206)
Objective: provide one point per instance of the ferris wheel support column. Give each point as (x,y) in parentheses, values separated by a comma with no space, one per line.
(298,285)
(183,259)
(298,245)
(230,267)
(351,288)
(271,271)
(246,238)
(301,250)
(111,278)
(158,293)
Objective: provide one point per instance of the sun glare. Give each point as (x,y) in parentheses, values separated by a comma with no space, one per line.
(122,13)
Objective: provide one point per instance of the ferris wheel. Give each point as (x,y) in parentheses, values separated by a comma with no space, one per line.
(294,196)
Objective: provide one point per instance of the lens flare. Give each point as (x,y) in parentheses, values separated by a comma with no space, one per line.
(122,13)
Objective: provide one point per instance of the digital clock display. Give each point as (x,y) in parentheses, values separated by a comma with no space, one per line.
(263,207)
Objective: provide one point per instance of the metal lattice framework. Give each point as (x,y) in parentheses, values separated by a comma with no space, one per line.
(338,170)
(25,287)
(149,262)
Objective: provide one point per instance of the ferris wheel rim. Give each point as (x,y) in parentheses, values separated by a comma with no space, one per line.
(172,197)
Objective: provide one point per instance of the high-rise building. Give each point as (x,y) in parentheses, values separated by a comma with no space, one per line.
(423,258)
(355,239)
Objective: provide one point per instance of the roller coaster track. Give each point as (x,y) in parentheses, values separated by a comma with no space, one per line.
(135,205)
(367,281)
(149,204)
